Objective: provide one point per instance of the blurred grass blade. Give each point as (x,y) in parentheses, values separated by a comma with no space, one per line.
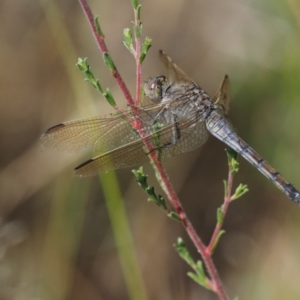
(122,236)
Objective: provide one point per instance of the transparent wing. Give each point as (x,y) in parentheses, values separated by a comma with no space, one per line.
(192,135)
(174,73)
(222,95)
(102,134)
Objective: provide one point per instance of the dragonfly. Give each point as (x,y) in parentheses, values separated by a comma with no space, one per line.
(177,119)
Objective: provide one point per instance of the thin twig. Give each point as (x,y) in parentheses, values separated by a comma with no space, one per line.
(216,283)
(103,48)
(225,205)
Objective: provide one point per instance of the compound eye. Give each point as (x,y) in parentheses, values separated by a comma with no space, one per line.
(155,87)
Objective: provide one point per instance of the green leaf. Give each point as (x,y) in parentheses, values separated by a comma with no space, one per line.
(221,232)
(127,39)
(138,9)
(199,275)
(157,199)
(220,216)
(109,97)
(240,191)
(174,215)
(181,249)
(98,28)
(109,62)
(199,280)
(141,178)
(82,64)
(98,87)
(145,48)
(232,160)
(135,3)
(225,187)
(231,153)
(200,270)
(162,202)
(85,68)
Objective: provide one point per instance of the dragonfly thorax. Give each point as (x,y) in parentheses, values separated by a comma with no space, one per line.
(188,99)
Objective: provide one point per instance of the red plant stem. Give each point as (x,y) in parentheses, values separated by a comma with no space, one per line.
(227,200)
(103,48)
(215,282)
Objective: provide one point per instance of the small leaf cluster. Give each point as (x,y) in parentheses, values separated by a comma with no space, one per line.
(198,275)
(232,160)
(141,179)
(137,29)
(84,67)
(233,164)
(240,191)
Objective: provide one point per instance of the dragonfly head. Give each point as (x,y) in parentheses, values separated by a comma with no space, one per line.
(155,87)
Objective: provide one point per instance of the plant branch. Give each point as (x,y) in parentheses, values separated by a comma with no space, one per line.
(99,37)
(233,167)
(224,208)
(214,282)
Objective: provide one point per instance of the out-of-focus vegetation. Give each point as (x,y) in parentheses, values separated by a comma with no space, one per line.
(56,237)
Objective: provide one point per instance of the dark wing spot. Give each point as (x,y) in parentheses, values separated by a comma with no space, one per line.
(55,128)
(84,164)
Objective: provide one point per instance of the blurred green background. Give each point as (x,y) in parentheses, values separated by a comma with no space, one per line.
(56,238)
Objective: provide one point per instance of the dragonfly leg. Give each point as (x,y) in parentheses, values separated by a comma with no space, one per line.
(175,136)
